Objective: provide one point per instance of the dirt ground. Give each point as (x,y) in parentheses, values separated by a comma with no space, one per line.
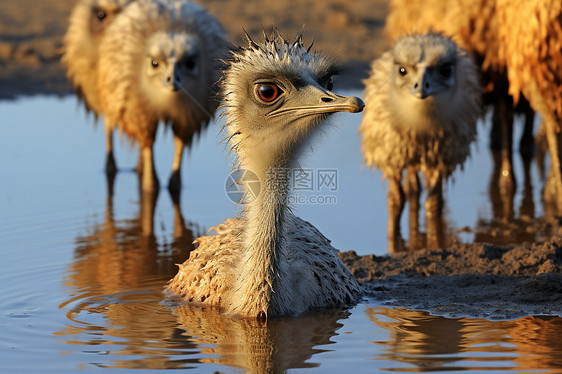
(478,279)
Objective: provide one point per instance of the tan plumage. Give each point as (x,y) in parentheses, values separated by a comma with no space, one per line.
(159,62)
(518,44)
(88,21)
(269,262)
(530,34)
(405,128)
(87,24)
(472,24)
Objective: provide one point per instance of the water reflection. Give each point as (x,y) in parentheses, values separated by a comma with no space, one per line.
(118,273)
(272,346)
(117,313)
(429,343)
(439,230)
(514,216)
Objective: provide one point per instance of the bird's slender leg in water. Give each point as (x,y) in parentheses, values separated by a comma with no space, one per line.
(139,164)
(542,148)
(147,208)
(110,165)
(174,184)
(434,209)
(149,180)
(179,221)
(507,178)
(553,185)
(527,206)
(413,192)
(502,204)
(527,141)
(396,199)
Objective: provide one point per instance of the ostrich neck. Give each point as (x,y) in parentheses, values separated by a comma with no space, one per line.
(263,233)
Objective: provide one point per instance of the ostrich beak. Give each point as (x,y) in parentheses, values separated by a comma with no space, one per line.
(315,100)
(172,81)
(425,86)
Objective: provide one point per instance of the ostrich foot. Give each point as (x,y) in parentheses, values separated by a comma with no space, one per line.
(174,184)
(110,165)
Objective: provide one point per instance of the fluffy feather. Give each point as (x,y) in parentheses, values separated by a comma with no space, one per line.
(87,25)
(269,262)
(137,96)
(426,134)
(423,100)
(530,34)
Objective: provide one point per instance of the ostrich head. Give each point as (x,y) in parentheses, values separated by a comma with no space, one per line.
(275,94)
(101,12)
(425,79)
(172,67)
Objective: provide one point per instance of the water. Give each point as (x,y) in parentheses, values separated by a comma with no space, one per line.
(82,270)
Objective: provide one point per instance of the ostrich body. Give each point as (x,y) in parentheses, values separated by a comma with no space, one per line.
(530,34)
(267,262)
(423,101)
(87,25)
(159,62)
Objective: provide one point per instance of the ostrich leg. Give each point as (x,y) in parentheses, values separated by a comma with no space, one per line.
(396,199)
(149,180)
(553,186)
(174,184)
(527,141)
(434,209)
(413,192)
(110,165)
(507,177)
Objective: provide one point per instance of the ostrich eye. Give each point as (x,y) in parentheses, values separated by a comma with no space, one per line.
(402,71)
(100,14)
(446,70)
(154,63)
(268,92)
(189,64)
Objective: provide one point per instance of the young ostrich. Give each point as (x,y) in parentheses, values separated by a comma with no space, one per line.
(473,25)
(159,61)
(88,22)
(423,99)
(268,262)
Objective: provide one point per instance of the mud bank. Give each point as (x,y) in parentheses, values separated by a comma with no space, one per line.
(476,280)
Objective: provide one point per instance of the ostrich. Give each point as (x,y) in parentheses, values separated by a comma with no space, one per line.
(268,262)
(88,22)
(423,98)
(530,34)
(472,24)
(159,61)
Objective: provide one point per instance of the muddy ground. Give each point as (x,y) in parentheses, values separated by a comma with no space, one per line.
(478,279)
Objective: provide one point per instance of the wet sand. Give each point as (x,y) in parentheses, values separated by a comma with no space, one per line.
(483,280)
(476,280)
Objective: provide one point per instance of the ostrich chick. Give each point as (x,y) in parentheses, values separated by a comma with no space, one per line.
(159,62)
(423,99)
(88,22)
(267,262)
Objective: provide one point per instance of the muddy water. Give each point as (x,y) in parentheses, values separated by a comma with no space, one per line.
(82,269)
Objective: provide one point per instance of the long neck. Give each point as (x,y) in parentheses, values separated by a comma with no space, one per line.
(265,214)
